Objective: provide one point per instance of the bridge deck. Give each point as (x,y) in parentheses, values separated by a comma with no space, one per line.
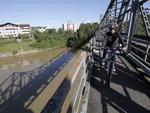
(129,92)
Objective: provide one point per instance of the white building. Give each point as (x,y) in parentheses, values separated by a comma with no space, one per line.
(70,26)
(41,28)
(13,30)
(87,22)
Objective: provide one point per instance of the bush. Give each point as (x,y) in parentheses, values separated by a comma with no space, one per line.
(38,45)
(83,34)
(49,39)
(14,52)
(25,36)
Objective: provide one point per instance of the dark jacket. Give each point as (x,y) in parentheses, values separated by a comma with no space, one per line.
(112,38)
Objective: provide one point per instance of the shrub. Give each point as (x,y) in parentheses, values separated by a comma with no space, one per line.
(38,45)
(14,52)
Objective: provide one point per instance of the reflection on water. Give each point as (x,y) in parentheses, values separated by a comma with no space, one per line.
(29,61)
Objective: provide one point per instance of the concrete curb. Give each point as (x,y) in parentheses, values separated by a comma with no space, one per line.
(85,98)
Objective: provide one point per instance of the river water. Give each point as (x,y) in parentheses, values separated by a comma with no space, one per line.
(27,62)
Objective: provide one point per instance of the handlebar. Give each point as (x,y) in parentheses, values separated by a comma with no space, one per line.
(118,48)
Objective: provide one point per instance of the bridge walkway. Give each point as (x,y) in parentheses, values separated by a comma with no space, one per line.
(129,91)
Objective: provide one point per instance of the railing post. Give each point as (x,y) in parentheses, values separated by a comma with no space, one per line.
(134,7)
(148,47)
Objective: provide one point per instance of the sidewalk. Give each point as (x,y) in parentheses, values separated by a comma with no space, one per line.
(129,92)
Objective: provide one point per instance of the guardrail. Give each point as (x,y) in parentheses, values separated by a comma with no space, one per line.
(140,51)
(68,97)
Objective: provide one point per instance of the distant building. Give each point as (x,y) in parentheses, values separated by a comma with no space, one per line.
(86,22)
(70,26)
(8,30)
(41,28)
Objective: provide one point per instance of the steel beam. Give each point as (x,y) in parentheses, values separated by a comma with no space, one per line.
(134,7)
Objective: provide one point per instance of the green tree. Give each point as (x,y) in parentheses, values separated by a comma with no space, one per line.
(82,34)
(51,31)
(60,31)
(140,29)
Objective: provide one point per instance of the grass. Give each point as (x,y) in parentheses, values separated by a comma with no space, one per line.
(7,45)
(11,45)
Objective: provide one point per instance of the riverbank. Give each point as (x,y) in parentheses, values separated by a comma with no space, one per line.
(9,54)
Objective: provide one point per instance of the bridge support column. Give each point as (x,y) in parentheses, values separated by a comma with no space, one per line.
(134,8)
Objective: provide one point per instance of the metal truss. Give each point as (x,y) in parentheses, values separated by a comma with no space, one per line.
(128,14)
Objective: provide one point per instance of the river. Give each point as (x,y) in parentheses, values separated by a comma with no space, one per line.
(26,62)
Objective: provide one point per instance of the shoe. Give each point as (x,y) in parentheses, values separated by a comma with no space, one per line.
(103,63)
(114,69)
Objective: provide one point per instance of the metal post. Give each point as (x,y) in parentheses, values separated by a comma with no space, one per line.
(148,47)
(134,8)
(127,23)
(137,20)
(115,9)
(100,21)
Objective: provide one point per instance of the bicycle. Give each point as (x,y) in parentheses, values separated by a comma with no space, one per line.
(110,63)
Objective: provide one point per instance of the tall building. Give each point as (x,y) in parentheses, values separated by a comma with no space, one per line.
(8,30)
(70,26)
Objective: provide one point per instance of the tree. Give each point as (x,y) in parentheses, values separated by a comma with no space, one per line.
(60,31)
(82,34)
(51,31)
(140,29)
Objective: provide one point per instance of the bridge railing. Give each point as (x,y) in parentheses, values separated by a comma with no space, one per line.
(140,51)
(69,94)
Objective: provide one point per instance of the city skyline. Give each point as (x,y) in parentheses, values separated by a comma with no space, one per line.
(51,12)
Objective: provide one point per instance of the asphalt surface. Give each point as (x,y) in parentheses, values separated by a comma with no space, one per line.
(20,89)
(129,90)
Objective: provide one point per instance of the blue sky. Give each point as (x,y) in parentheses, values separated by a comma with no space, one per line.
(51,13)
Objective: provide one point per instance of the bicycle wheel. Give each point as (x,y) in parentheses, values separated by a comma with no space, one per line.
(109,74)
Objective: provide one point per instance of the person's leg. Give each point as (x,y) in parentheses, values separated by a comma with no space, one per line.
(104,56)
(104,53)
(114,60)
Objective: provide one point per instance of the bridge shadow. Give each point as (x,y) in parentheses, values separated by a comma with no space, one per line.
(120,100)
(20,89)
(56,102)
